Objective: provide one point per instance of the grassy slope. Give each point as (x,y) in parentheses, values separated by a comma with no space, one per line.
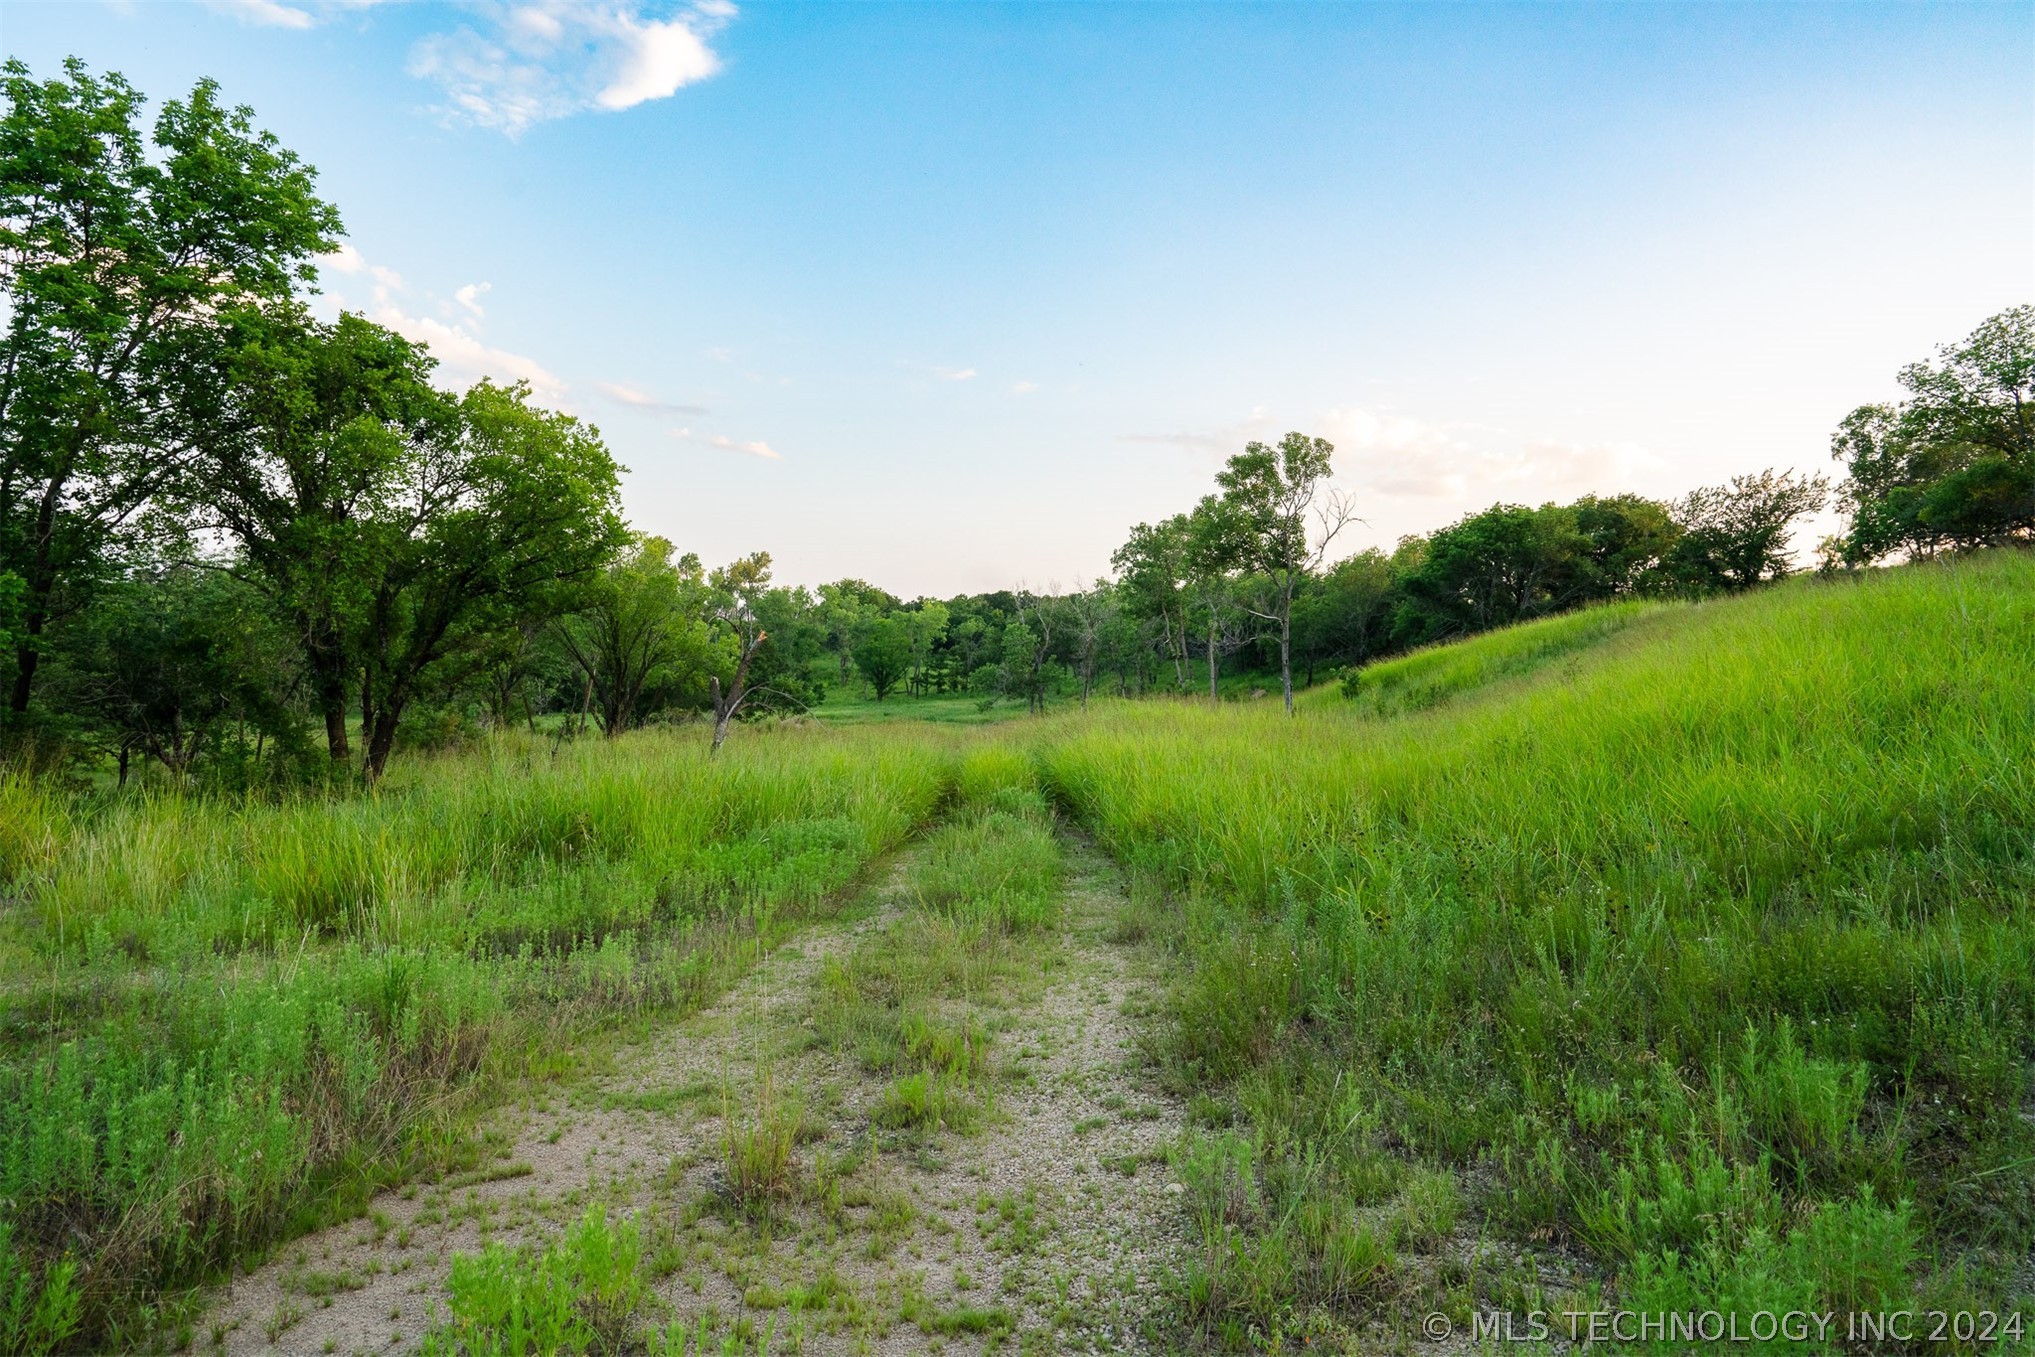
(1708,953)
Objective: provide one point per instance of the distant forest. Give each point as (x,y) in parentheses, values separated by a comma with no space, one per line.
(243,544)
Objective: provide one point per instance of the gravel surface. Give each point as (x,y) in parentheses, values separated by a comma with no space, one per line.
(1049,1229)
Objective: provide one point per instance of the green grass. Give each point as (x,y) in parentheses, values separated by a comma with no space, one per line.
(849,708)
(1437,674)
(223,1020)
(1693,943)
(1707,952)
(915,1001)
(584,1293)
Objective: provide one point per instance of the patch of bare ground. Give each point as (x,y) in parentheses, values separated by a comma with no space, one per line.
(1042,1221)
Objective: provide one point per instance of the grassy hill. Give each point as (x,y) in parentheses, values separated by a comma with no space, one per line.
(1692,946)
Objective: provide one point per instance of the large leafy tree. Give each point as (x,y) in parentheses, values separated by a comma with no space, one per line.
(1737,535)
(506,520)
(1491,569)
(642,629)
(166,657)
(1954,463)
(1153,570)
(1284,516)
(1345,617)
(313,435)
(884,654)
(115,251)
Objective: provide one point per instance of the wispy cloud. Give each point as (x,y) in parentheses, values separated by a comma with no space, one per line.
(1395,455)
(463,357)
(347,259)
(521,64)
(1023,388)
(623,394)
(469,297)
(263,13)
(1390,455)
(954,374)
(1217,442)
(275,14)
(757,448)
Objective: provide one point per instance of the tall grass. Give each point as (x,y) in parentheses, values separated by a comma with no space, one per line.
(1711,952)
(216,1011)
(1430,676)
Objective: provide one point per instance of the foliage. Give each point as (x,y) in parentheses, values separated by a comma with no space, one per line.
(641,639)
(1736,536)
(116,252)
(582,1294)
(1953,465)
(884,654)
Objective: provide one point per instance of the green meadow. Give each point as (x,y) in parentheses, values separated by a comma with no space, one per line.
(1690,943)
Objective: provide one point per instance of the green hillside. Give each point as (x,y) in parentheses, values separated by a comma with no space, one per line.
(1701,962)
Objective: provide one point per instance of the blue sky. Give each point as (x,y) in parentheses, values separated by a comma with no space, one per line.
(946,296)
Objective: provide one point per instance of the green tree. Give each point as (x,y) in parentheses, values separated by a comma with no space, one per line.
(1346,616)
(115,252)
(1153,569)
(1218,538)
(884,654)
(316,436)
(1954,463)
(846,609)
(1286,516)
(642,627)
(926,623)
(506,522)
(1625,538)
(1735,536)
(1491,569)
(165,658)
(738,589)
(782,679)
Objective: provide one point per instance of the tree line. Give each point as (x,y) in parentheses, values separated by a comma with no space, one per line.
(239,539)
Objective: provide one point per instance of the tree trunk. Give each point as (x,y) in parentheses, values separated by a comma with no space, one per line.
(724,710)
(26,658)
(381,739)
(1214,696)
(335,732)
(1286,655)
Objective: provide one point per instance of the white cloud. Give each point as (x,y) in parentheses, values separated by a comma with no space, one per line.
(462,356)
(347,259)
(263,13)
(1023,388)
(757,448)
(1214,442)
(954,374)
(469,297)
(637,399)
(275,14)
(527,63)
(1400,457)
(1387,455)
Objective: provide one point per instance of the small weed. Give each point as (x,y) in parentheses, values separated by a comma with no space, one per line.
(757,1143)
(286,1316)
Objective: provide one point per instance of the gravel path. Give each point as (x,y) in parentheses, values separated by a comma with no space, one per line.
(1050,1227)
